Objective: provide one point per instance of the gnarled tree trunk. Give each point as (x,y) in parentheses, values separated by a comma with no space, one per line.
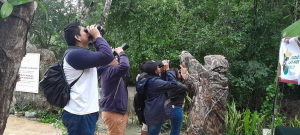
(210,85)
(13,37)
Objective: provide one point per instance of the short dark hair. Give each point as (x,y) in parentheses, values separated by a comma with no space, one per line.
(70,31)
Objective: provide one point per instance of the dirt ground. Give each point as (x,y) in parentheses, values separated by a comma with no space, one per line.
(23,126)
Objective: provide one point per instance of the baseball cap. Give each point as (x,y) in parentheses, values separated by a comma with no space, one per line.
(150,66)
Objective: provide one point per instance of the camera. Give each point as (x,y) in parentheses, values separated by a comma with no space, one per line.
(124,47)
(101,30)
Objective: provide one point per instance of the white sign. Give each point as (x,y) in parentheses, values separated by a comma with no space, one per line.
(289,60)
(29,73)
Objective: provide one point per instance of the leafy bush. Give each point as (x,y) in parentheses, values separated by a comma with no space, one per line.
(237,122)
(295,123)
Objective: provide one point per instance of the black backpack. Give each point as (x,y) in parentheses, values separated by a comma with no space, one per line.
(55,85)
(139,106)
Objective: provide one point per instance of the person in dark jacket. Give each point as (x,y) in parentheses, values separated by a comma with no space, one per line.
(115,94)
(177,96)
(158,107)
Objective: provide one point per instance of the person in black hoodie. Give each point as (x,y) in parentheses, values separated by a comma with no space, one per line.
(177,96)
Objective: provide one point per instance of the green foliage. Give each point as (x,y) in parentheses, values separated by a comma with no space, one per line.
(20,107)
(166,126)
(50,117)
(17,2)
(237,122)
(50,35)
(295,123)
(268,104)
(6,10)
(59,125)
(7,7)
(186,121)
(247,122)
(233,119)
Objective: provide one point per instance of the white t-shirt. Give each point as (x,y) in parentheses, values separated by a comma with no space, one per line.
(84,93)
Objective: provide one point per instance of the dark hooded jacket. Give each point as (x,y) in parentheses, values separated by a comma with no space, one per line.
(158,107)
(115,94)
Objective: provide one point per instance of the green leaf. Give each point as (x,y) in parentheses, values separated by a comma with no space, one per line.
(42,6)
(253,122)
(246,121)
(6,10)
(17,2)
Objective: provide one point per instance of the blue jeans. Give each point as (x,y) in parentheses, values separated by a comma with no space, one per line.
(176,120)
(80,124)
(154,129)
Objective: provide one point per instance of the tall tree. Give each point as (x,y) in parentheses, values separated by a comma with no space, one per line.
(105,12)
(13,37)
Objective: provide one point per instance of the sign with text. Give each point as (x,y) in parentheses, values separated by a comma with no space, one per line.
(29,73)
(289,60)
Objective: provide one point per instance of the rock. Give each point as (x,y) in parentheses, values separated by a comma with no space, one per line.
(37,101)
(266,131)
(30,114)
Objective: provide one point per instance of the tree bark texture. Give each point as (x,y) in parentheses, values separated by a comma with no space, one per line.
(13,37)
(210,86)
(105,13)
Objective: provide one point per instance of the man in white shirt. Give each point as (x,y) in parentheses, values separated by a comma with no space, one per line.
(81,113)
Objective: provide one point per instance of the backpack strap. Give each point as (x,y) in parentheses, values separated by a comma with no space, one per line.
(76,80)
(66,52)
(118,87)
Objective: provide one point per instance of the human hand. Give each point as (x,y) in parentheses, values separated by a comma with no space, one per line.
(118,50)
(166,65)
(184,72)
(92,29)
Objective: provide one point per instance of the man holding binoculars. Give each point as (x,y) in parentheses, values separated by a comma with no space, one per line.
(81,113)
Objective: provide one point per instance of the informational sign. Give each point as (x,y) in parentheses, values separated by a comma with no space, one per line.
(289,60)
(29,73)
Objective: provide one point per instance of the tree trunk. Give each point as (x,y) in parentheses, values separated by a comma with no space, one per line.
(13,37)
(105,13)
(80,7)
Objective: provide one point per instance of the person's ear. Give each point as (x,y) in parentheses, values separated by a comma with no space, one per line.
(77,37)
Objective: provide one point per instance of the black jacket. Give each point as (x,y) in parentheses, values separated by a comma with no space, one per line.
(177,94)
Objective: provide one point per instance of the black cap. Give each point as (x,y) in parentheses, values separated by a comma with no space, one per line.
(150,66)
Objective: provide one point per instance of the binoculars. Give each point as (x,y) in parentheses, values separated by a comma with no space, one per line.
(101,30)
(124,47)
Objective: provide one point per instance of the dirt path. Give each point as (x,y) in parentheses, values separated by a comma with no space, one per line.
(22,126)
